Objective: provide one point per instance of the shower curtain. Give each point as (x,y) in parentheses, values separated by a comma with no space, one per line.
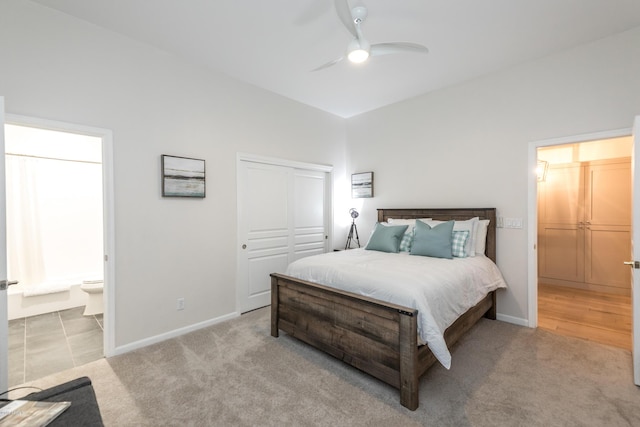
(25,260)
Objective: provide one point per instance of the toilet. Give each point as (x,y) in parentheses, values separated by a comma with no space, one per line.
(93,288)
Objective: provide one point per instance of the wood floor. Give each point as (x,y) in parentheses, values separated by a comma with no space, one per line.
(594,316)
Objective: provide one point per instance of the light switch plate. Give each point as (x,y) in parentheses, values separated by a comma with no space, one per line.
(513,222)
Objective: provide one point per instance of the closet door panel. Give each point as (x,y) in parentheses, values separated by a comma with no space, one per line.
(606,248)
(309,214)
(609,194)
(264,216)
(561,195)
(561,252)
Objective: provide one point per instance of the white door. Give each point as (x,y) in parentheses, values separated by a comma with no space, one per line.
(635,245)
(264,214)
(282,216)
(309,216)
(4,324)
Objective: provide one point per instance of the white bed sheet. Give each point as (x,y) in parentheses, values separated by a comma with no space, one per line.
(440,289)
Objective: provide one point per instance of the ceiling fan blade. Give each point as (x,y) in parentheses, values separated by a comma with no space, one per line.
(396,47)
(344,13)
(328,64)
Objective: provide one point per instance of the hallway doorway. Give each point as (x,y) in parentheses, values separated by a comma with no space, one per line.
(584,226)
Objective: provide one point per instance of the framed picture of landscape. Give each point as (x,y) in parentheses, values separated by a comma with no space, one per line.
(182,177)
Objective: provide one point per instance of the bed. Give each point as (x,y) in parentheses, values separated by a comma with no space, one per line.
(378,337)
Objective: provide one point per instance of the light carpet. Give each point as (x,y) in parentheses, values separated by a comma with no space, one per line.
(236,374)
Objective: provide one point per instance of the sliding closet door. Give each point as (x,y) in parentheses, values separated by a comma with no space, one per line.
(309,215)
(263,219)
(282,216)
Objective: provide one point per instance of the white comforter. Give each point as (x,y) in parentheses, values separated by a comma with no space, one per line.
(440,289)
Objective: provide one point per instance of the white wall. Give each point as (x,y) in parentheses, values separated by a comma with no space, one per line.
(462,146)
(467,145)
(60,68)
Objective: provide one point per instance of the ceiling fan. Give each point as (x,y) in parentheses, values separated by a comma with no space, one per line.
(359,49)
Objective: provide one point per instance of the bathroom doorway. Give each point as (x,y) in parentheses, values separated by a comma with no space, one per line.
(55,248)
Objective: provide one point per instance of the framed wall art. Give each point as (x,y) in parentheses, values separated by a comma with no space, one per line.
(362,185)
(182,177)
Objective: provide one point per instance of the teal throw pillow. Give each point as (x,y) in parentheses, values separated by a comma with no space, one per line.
(386,238)
(434,242)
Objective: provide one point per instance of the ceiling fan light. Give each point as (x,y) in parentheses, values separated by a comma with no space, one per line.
(358,51)
(358,55)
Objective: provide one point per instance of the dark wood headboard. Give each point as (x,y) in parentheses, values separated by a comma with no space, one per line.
(445,214)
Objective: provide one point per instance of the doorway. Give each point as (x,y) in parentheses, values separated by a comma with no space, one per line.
(59,223)
(583,235)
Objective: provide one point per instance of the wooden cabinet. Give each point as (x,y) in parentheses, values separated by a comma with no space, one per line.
(584,225)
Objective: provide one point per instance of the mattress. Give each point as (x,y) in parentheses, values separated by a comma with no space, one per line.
(440,289)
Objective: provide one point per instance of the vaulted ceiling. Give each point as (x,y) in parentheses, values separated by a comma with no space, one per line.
(274,44)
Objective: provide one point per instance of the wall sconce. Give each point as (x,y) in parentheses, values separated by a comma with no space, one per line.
(541,170)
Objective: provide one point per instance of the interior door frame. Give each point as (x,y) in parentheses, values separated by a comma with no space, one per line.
(635,242)
(4,324)
(532,202)
(108,214)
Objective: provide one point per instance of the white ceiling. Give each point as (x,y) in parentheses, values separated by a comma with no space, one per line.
(274,44)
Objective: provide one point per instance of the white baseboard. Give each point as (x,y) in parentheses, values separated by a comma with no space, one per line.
(171,334)
(511,319)
(177,332)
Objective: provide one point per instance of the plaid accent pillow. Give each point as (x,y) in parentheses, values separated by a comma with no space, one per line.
(407,239)
(458,240)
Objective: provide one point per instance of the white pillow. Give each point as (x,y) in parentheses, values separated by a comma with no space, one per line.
(469,225)
(481,236)
(410,222)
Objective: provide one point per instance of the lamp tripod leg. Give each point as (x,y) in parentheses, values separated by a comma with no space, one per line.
(356,231)
(353,230)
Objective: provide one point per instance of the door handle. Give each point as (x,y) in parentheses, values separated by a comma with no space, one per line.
(634,264)
(4,284)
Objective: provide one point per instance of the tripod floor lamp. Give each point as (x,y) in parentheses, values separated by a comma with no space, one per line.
(353,231)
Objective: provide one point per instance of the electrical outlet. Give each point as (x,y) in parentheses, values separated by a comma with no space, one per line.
(180,305)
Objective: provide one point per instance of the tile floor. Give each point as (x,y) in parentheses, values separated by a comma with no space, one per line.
(52,342)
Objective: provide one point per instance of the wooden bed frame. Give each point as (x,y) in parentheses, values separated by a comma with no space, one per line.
(374,336)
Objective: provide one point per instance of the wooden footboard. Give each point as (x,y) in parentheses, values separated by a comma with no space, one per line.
(376,337)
